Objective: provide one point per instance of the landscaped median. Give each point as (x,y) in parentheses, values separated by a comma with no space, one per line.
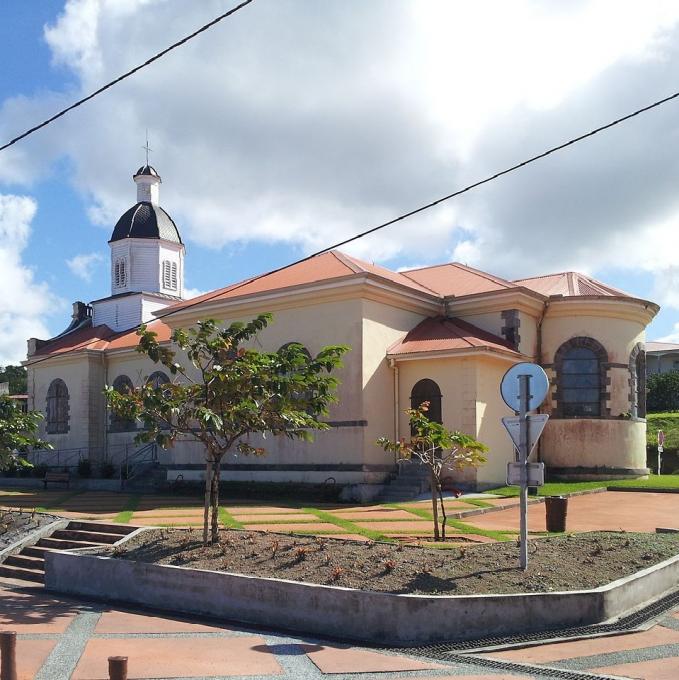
(377,592)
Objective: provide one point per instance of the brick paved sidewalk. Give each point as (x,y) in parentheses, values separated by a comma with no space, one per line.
(61,638)
(409,521)
(610,510)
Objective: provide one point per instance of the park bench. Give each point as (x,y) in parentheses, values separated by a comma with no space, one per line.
(57,478)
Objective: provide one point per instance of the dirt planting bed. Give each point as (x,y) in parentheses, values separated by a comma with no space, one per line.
(14,525)
(569,562)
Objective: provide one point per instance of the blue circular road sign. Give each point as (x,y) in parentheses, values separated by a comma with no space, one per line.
(538,385)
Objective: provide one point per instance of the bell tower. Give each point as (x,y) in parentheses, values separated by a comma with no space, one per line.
(147,259)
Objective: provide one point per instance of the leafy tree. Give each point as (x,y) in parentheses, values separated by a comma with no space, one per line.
(439,449)
(223,393)
(663,392)
(16,377)
(17,432)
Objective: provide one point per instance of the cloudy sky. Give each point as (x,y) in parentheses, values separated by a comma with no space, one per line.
(296,123)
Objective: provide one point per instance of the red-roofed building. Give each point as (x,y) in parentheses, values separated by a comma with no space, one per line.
(445,334)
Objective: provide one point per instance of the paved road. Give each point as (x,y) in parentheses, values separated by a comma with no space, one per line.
(61,638)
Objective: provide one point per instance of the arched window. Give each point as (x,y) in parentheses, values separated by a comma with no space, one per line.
(305,351)
(427,390)
(637,381)
(581,379)
(308,394)
(123,385)
(158,379)
(57,407)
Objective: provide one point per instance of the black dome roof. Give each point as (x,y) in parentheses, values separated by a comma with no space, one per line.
(147,170)
(145,220)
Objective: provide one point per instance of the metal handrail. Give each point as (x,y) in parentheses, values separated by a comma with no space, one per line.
(56,458)
(141,458)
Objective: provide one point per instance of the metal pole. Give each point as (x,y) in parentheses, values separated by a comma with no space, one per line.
(8,655)
(524,400)
(117,667)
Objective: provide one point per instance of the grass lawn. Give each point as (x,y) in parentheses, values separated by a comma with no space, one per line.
(561,488)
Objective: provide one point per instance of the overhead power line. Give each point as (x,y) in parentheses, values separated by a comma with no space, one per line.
(427,206)
(110,84)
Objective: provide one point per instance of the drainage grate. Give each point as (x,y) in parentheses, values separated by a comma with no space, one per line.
(545,673)
(622,625)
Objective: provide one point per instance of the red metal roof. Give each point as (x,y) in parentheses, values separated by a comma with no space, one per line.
(100,339)
(440,334)
(457,279)
(325,267)
(570,284)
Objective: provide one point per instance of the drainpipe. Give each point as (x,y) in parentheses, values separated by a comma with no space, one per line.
(538,360)
(104,365)
(397,409)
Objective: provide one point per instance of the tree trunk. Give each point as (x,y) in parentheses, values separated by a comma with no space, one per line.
(208,492)
(434,504)
(443,512)
(215,502)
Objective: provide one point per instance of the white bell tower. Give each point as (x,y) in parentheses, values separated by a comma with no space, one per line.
(147,259)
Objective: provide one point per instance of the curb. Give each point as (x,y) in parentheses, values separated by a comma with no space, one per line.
(385,618)
(641,490)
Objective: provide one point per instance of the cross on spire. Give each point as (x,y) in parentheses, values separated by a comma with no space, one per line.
(147,147)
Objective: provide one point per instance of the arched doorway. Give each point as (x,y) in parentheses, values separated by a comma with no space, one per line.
(427,390)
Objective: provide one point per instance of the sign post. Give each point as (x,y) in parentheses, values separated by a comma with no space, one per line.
(661,447)
(524,387)
(524,399)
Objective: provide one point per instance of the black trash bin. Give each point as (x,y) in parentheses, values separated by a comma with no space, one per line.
(556,508)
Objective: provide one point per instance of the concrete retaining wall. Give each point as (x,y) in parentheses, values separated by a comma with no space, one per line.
(347,613)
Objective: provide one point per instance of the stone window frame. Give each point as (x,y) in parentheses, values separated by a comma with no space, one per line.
(604,379)
(118,423)
(637,381)
(57,412)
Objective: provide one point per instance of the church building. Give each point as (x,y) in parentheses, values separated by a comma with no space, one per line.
(443,334)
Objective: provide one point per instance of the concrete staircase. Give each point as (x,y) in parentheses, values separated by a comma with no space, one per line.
(411,481)
(29,563)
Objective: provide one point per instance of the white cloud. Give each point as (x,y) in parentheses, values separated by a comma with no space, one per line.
(303,127)
(83,265)
(671,337)
(192,293)
(26,301)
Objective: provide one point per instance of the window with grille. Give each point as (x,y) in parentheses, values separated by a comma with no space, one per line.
(123,385)
(158,379)
(305,395)
(57,407)
(581,368)
(580,383)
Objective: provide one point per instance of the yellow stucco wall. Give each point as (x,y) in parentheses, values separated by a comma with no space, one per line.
(383,325)
(490,410)
(470,403)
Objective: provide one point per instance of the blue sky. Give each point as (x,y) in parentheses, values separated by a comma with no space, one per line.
(286,130)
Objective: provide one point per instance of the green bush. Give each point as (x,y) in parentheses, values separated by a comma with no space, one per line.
(39,471)
(84,467)
(108,470)
(663,392)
